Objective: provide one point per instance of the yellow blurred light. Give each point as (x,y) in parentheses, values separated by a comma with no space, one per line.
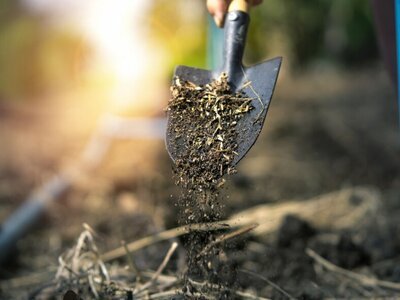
(121,39)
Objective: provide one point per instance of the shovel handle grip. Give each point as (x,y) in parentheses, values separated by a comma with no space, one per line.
(236,25)
(239,5)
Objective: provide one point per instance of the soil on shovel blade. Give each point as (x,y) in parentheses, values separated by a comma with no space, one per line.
(205,120)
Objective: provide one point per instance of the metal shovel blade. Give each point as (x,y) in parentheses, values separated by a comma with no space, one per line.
(256,82)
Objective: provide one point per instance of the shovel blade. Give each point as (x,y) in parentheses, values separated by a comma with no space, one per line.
(195,75)
(257,82)
(260,81)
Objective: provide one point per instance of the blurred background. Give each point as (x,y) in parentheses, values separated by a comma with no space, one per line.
(49,47)
(84,85)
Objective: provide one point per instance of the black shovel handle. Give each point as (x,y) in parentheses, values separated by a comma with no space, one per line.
(236,24)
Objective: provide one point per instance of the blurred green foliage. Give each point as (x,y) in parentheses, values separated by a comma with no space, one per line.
(340,31)
(34,58)
(183,38)
(353,20)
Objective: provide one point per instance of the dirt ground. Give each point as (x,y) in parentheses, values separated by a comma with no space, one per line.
(326,132)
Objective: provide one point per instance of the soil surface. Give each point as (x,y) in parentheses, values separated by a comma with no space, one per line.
(326,131)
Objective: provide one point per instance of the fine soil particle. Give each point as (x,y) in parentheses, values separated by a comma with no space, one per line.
(203,125)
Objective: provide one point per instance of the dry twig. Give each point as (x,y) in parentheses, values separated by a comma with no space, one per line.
(274,285)
(162,236)
(362,279)
(160,268)
(216,287)
(131,263)
(227,236)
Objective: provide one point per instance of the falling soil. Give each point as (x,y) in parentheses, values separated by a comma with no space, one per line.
(203,124)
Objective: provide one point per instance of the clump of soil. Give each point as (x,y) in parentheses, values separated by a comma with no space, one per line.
(204,122)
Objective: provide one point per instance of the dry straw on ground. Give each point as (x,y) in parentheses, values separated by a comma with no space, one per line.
(82,271)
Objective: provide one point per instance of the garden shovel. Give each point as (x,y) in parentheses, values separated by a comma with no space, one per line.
(256,82)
